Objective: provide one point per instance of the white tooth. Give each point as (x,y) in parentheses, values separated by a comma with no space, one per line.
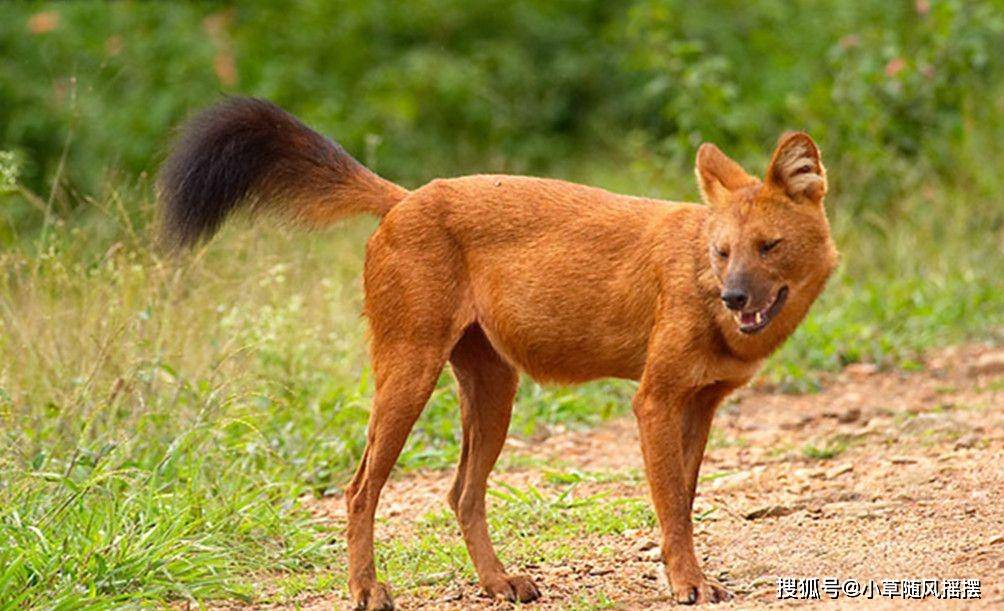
(759,318)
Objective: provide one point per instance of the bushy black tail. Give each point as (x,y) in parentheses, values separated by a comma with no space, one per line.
(250,153)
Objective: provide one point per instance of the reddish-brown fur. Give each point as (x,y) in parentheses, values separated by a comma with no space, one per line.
(568,283)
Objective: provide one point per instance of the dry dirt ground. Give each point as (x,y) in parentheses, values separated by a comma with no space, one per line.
(882,475)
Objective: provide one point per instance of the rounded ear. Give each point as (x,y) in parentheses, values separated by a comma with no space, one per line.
(717,175)
(797,169)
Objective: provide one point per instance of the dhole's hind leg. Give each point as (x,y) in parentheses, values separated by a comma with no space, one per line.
(417,312)
(401,393)
(487,389)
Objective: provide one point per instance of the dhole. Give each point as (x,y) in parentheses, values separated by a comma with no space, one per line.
(497,274)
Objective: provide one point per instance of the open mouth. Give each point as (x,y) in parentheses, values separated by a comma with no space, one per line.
(755,320)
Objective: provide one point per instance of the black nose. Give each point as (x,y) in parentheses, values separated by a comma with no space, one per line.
(735,299)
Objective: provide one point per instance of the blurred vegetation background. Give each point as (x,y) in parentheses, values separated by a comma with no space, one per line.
(160,418)
(898,93)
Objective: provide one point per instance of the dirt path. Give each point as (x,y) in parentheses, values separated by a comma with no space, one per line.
(883,475)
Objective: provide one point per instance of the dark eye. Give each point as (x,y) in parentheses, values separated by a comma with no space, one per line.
(766,247)
(723,253)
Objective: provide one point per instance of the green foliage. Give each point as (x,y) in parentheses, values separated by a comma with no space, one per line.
(440,87)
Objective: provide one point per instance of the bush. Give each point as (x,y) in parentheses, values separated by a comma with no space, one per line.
(431,88)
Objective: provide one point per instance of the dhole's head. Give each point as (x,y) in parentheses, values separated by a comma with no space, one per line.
(768,240)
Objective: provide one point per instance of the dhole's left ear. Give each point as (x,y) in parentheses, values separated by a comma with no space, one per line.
(796,168)
(718,176)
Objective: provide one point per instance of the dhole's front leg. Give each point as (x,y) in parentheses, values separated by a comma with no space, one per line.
(697,419)
(661,416)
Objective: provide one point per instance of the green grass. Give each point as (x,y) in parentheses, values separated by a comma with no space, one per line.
(531,526)
(996,384)
(160,419)
(830,449)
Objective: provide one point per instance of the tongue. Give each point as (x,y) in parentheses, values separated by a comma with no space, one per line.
(748,318)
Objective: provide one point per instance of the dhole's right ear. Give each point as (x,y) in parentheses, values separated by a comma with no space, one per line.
(717,175)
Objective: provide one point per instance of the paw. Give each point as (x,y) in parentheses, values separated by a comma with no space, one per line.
(374,598)
(513,588)
(700,592)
